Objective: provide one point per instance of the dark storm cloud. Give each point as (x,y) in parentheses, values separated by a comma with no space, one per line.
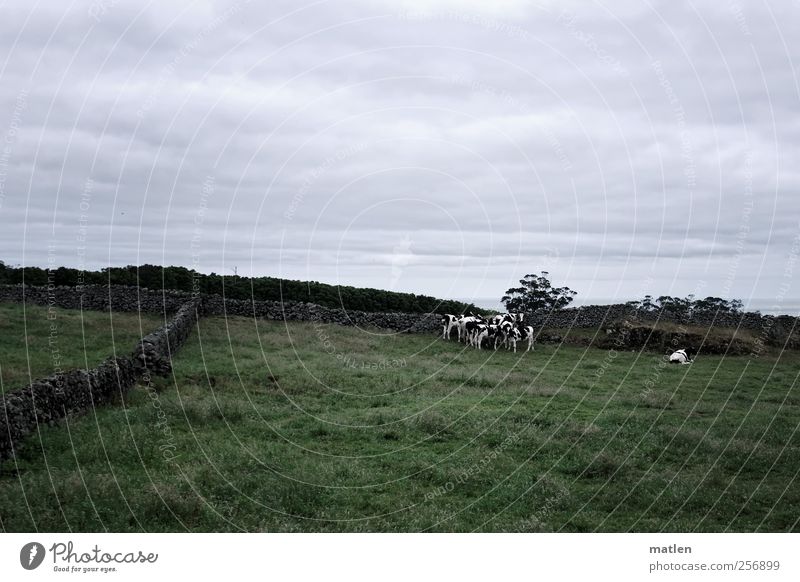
(439,147)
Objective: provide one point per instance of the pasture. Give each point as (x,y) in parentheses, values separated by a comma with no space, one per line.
(34,342)
(269,426)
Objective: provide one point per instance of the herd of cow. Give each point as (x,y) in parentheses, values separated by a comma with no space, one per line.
(505,330)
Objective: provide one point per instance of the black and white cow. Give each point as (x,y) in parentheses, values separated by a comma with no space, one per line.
(512,338)
(526,334)
(448,323)
(479,334)
(466,327)
(504,330)
(472,326)
(683,356)
(506,317)
(489,334)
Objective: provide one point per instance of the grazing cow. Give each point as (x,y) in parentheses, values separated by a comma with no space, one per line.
(683,356)
(471,327)
(448,323)
(488,333)
(504,330)
(496,319)
(526,334)
(506,317)
(466,324)
(512,338)
(480,333)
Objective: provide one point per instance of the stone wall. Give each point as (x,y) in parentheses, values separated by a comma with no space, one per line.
(123,298)
(599,316)
(97,297)
(298,311)
(46,401)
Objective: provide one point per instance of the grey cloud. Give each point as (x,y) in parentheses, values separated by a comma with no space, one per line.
(611,146)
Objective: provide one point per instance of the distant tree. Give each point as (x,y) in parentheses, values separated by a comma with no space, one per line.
(675,307)
(536,293)
(645,304)
(716,305)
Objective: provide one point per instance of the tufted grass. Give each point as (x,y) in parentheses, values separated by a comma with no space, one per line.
(34,342)
(267,426)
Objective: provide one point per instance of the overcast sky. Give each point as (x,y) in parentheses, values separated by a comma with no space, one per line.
(445,148)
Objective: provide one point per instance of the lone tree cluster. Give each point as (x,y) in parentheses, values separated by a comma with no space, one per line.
(536,293)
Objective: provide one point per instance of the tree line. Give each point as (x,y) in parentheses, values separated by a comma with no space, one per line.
(236,287)
(686,307)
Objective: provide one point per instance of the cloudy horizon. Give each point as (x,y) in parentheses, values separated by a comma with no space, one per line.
(441,148)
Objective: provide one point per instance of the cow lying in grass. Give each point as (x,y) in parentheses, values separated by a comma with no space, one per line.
(683,356)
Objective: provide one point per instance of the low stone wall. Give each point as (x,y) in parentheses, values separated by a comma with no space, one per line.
(599,316)
(154,352)
(123,298)
(626,335)
(49,400)
(298,311)
(97,297)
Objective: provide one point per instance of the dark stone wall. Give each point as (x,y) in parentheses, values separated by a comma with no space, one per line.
(297,311)
(625,335)
(122,298)
(97,297)
(154,352)
(599,316)
(49,400)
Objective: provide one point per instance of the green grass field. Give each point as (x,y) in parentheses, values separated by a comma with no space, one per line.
(34,342)
(303,427)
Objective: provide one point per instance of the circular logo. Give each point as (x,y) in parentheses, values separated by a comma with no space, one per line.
(31,555)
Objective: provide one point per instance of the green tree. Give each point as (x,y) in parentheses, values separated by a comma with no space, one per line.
(536,293)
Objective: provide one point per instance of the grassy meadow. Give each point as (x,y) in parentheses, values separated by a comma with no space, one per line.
(268,426)
(35,342)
